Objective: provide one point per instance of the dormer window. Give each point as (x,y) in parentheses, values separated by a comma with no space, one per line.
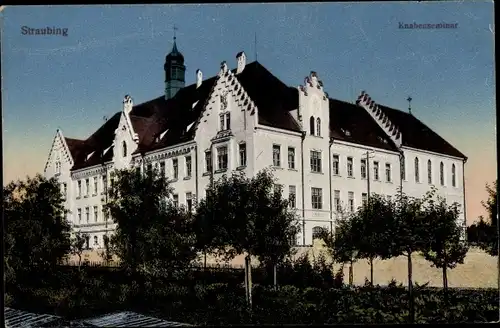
(124,149)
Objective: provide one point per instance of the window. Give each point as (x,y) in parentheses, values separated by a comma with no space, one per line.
(349,167)
(87,214)
(65,189)
(228,121)
(318,127)
(441,173)
(336,200)
(162,168)
(95,185)
(292,195)
(317,198)
(291,158)
(104,184)
(96,242)
(429,172)
(403,168)
(189,201)
(79,215)
(175,164)
(149,169)
(363,169)
(96,214)
(417,173)
(453,176)
(387,172)
(364,198)
(104,216)
(79,188)
(315,161)
(225,121)
(243,154)
(276,155)
(58,167)
(316,232)
(188,167)
(222,157)
(375,171)
(124,149)
(208,161)
(87,242)
(175,200)
(311,125)
(87,187)
(350,199)
(335,164)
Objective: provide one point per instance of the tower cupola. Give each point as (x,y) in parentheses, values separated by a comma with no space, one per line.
(175,71)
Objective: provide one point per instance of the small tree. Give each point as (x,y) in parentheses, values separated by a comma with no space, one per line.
(78,242)
(485,232)
(37,234)
(406,224)
(342,244)
(247,216)
(446,248)
(370,226)
(151,232)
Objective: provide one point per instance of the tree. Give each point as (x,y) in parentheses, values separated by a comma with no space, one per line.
(370,228)
(485,232)
(37,234)
(446,248)
(241,215)
(341,244)
(408,230)
(78,242)
(152,233)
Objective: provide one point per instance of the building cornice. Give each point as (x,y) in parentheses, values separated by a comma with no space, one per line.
(278,130)
(157,155)
(351,144)
(435,154)
(92,171)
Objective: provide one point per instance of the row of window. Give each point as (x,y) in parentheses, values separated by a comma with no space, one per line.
(442,177)
(88,188)
(96,214)
(317,199)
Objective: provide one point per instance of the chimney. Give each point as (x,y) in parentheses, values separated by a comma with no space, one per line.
(199,78)
(127,104)
(242,61)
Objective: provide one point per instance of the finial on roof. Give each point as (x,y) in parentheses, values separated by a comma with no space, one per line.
(409,104)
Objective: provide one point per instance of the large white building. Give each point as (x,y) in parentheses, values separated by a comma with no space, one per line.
(327,154)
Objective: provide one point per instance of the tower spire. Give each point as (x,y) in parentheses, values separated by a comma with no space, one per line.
(409,104)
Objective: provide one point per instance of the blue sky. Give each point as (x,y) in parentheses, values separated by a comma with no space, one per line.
(72,82)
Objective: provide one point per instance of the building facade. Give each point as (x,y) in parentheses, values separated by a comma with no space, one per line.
(328,155)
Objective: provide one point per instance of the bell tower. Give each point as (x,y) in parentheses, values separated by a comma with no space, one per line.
(175,71)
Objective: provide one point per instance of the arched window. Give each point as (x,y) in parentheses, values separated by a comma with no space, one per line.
(417,173)
(316,232)
(453,176)
(318,127)
(124,149)
(429,172)
(441,173)
(311,125)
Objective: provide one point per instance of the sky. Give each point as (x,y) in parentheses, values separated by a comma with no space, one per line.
(72,82)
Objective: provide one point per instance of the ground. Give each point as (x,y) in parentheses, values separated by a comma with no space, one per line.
(479,270)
